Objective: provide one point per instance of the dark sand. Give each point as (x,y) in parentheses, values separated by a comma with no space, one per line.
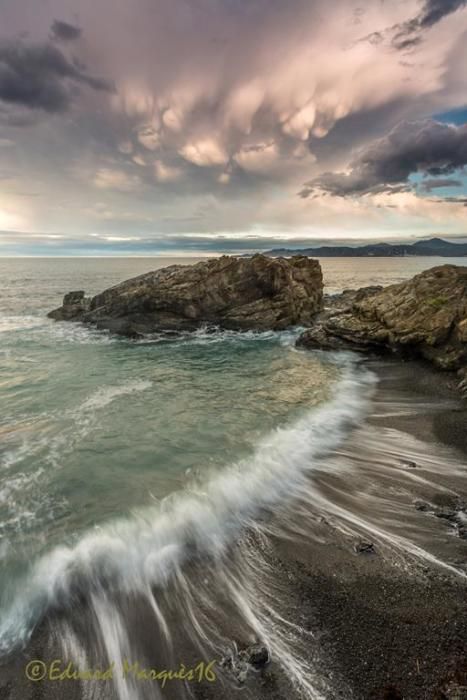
(372,627)
(387,635)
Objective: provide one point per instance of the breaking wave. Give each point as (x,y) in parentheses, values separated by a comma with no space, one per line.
(145,550)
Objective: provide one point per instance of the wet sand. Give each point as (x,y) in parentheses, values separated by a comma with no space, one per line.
(388,633)
(390,623)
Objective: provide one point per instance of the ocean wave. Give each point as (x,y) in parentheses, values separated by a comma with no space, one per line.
(41,327)
(9,324)
(137,553)
(24,498)
(82,334)
(209,335)
(76,333)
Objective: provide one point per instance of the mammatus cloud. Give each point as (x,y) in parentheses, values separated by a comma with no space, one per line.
(63,31)
(41,76)
(427,147)
(221,110)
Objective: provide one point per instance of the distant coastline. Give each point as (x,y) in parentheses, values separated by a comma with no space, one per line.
(432,247)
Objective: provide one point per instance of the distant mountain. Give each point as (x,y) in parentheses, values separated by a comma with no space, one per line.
(432,247)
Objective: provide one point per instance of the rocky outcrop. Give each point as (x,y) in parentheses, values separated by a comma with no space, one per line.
(75,304)
(256,293)
(423,317)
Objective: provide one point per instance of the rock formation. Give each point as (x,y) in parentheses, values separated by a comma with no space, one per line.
(256,293)
(423,317)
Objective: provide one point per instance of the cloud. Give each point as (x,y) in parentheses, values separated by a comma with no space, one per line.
(456,200)
(258,157)
(166,173)
(117,180)
(205,152)
(148,137)
(385,165)
(432,184)
(40,76)
(435,10)
(223,109)
(409,34)
(63,31)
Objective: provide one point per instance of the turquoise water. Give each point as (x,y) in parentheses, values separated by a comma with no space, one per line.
(96,429)
(93,426)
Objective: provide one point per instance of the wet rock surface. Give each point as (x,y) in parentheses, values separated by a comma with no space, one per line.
(365,548)
(240,662)
(256,293)
(451,509)
(423,317)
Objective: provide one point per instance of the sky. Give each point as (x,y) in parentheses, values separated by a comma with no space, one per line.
(143,127)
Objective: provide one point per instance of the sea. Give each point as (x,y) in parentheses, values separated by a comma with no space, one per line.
(120,458)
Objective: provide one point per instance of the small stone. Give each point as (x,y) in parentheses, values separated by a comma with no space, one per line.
(422,506)
(446,514)
(408,464)
(365,548)
(258,656)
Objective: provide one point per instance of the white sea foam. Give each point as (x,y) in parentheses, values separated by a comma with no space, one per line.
(212,335)
(135,554)
(76,333)
(105,395)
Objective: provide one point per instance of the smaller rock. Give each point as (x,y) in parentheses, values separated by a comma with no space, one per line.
(422,506)
(75,304)
(365,548)
(446,514)
(73,298)
(258,656)
(235,665)
(240,663)
(408,464)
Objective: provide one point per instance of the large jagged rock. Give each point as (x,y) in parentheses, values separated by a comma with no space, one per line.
(424,317)
(256,293)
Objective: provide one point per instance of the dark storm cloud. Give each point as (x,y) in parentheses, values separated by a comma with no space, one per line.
(63,31)
(40,76)
(430,184)
(456,200)
(224,108)
(435,10)
(385,165)
(408,34)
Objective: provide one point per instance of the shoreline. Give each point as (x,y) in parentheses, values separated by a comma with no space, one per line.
(386,634)
(370,627)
